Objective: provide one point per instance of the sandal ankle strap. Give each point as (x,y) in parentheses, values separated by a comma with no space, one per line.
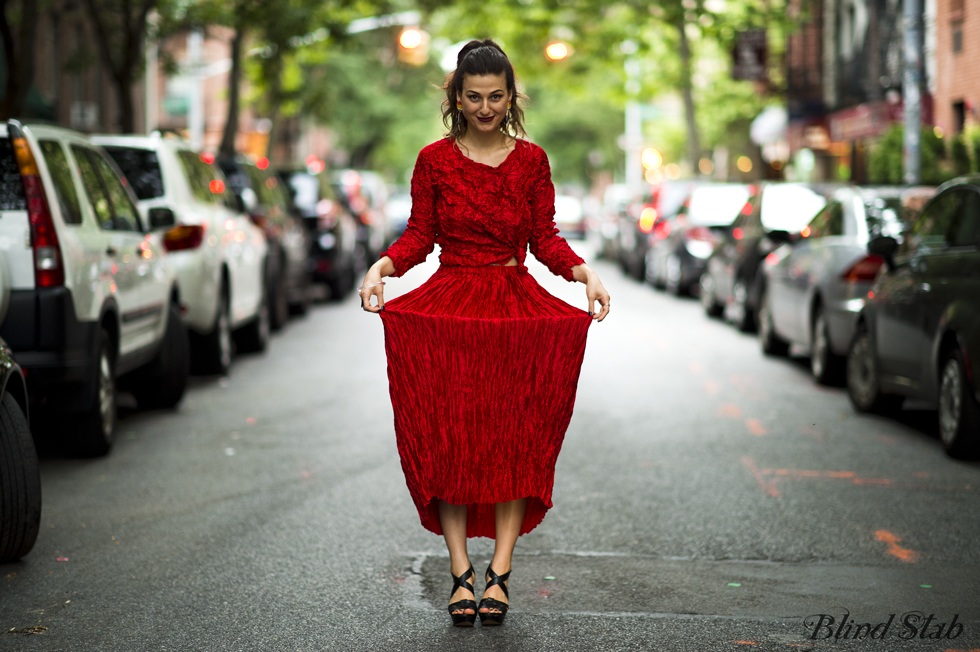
(497,580)
(461,581)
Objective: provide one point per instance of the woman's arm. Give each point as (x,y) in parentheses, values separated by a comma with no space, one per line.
(374,286)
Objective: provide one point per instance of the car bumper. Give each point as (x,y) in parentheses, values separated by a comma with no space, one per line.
(842,316)
(54,349)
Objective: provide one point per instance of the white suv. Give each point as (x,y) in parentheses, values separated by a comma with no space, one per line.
(92,296)
(219,255)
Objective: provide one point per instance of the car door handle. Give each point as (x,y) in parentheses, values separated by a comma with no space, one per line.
(111,251)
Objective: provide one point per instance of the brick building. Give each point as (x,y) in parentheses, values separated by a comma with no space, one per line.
(957,78)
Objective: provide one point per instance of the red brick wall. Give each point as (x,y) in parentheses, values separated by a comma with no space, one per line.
(957,74)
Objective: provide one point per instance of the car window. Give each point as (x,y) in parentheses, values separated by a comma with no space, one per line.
(828,222)
(929,233)
(200,177)
(97,196)
(789,207)
(124,210)
(887,217)
(142,170)
(11,186)
(64,185)
(716,205)
(965,231)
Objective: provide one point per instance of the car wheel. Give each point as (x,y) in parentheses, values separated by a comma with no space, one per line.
(213,352)
(826,367)
(162,382)
(742,317)
(708,300)
(278,303)
(771,343)
(959,413)
(20,483)
(862,377)
(253,337)
(95,427)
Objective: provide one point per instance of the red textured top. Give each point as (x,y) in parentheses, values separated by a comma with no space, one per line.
(482,215)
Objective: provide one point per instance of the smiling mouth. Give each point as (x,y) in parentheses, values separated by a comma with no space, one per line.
(490,119)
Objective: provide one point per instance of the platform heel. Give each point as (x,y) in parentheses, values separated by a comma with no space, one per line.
(462,619)
(489,618)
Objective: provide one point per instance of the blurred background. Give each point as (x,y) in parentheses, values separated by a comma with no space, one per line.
(729,90)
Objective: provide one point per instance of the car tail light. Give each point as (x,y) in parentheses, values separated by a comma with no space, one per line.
(48,270)
(185,236)
(864,270)
(661,230)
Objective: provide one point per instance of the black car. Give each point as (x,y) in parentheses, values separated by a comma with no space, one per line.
(774,215)
(919,333)
(331,227)
(20,480)
(260,194)
(682,243)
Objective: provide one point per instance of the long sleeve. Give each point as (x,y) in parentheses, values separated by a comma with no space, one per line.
(418,240)
(544,241)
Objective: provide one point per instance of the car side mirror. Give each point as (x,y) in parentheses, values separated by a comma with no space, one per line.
(162,217)
(884,246)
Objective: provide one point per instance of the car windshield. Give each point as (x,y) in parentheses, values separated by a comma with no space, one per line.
(789,207)
(306,189)
(716,205)
(887,217)
(141,168)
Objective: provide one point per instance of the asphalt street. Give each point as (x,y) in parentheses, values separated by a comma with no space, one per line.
(706,498)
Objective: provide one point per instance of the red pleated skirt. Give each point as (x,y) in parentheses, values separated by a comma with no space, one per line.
(483,365)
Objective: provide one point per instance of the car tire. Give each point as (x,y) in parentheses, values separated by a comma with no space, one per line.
(827,367)
(742,317)
(862,377)
(772,344)
(95,428)
(212,353)
(959,413)
(712,308)
(20,483)
(253,337)
(162,382)
(278,302)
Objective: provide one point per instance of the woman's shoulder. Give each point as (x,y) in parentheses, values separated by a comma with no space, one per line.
(530,151)
(438,148)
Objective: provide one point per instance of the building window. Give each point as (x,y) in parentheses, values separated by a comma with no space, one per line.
(959,117)
(958,38)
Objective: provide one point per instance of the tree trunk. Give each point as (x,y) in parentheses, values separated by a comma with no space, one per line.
(127,112)
(227,148)
(693,140)
(20,60)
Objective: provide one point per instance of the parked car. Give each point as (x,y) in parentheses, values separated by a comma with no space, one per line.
(731,283)
(218,254)
(20,479)
(367,194)
(398,208)
(260,195)
(331,227)
(569,216)
(683,239)
(602,229)
(816,287)
(918,336)
(637,223)
(93,300)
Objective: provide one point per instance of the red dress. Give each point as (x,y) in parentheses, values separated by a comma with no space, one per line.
(482,361)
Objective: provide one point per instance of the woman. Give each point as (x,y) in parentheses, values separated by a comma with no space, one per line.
(482,361)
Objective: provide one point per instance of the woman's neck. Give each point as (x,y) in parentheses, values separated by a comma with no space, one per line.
(484,142)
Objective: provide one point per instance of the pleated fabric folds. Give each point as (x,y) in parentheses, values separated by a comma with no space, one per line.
(483,365)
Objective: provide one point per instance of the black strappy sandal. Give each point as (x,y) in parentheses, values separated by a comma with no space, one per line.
(489,617)
(462,619)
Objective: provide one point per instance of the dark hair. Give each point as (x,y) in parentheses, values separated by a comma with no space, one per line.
(481,58)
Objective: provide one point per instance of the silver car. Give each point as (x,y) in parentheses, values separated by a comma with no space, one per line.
(817,284)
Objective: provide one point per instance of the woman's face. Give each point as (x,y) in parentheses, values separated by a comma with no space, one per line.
(484,101)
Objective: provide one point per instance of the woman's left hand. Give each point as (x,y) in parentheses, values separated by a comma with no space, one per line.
(594,290)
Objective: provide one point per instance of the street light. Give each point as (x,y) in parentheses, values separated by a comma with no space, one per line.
(556,51)
(413,46)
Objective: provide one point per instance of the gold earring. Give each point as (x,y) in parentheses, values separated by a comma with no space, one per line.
(508,106)
(459,106)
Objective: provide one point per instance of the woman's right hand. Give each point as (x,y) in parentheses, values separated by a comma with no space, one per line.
(373,286)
